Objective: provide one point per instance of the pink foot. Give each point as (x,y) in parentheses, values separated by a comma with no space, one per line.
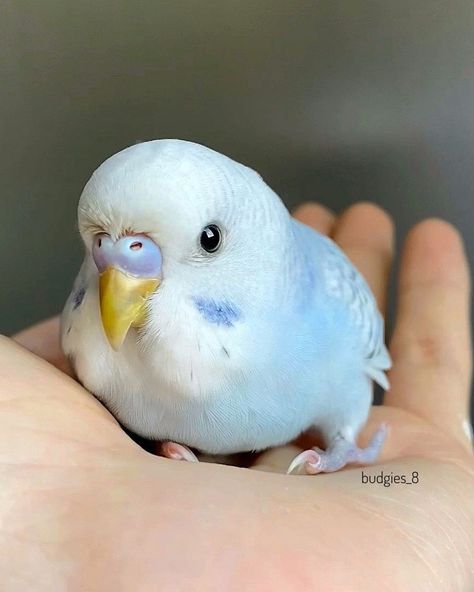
(177,452)
(338,454)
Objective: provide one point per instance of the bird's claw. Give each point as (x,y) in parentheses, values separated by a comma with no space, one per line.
(177,452)
(305,463)
(338,454)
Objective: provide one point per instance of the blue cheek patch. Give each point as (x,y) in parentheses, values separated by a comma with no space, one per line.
(78,298)
(218,313)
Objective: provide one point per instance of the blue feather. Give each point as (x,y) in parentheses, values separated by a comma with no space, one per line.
(222,313)
(78,298)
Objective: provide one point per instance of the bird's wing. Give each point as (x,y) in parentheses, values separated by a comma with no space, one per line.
(345,283)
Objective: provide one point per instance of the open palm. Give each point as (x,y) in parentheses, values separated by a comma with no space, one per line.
(82,507)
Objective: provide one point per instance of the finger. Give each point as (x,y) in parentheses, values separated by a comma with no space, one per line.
(41,407)
(366,234)
(315,215)
(431,346)
(43,340)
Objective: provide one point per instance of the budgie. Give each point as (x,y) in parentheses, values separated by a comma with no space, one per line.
(204,316)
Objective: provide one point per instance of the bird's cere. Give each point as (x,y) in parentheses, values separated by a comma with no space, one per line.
(130,270)
(135,254)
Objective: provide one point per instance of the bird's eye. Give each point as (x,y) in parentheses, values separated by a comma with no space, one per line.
(210,238)
(99,238)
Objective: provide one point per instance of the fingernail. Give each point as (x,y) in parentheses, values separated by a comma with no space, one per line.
(467,428)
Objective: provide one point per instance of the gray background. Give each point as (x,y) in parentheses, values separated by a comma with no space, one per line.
(332,100)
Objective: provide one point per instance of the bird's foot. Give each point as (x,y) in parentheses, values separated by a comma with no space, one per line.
(177,452)
(338,454)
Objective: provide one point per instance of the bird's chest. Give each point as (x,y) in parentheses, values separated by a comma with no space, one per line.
(237,418)
(198,402)
(220,391)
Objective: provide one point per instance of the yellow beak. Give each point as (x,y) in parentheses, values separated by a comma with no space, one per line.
(122,303)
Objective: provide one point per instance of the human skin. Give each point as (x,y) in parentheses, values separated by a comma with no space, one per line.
(82,507)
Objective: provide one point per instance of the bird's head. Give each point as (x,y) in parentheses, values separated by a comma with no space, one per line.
(174,218)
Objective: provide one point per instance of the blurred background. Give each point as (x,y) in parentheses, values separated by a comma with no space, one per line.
(330,100)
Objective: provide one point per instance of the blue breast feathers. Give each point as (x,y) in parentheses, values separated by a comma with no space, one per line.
(221,313)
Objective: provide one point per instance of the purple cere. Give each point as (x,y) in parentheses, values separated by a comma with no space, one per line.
(136,255)
(222,313)
(78,298)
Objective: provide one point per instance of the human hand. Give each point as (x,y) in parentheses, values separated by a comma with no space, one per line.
(83,507)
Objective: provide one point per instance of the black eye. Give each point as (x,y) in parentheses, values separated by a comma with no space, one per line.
(210,238)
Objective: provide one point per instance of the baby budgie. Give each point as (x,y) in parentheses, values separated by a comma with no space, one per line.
(204,316)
